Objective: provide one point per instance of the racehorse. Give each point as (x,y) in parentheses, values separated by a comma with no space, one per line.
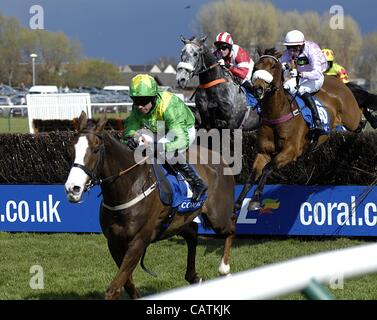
(283,136)
(218,99)
(131,214)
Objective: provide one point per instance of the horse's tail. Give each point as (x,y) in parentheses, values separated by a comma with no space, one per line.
(143,266)
(364,98)
(206,223)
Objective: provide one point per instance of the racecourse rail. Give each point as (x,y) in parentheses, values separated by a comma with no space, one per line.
(275,280)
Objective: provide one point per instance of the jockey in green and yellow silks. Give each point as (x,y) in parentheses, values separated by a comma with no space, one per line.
(151,107)
(334,69)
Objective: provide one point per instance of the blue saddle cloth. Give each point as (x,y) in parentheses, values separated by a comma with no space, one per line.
(251,101)
(175,191)
(322,111)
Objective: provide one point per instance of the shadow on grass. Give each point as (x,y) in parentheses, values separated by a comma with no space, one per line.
(95,295)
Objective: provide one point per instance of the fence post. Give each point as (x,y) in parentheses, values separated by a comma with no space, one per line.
(316,291)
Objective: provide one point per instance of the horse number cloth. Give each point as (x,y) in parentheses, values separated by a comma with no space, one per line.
(175,191)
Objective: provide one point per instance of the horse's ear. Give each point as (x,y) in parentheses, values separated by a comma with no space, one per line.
(101,124)
(259,51)
(82,122)
(278,54)
(184,40)
(203,39)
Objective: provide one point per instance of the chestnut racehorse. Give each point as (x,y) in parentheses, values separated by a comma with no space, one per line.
(132,215)
(283,135)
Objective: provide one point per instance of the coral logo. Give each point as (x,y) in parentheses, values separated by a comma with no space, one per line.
(268,205)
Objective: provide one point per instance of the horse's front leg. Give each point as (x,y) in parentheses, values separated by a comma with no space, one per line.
(259,163)
(124,276)
(283,158)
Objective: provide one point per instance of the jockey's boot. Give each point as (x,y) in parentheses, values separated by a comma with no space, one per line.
(309,101)
(197,184)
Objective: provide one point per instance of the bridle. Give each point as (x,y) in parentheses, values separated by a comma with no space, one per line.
(200,67)
(271,88)
(94,174)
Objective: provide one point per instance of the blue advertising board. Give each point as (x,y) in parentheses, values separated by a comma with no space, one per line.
(286,210)
(45,208)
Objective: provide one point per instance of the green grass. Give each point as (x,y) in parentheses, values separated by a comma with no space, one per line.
(14,125)
(79,266)
(21,124)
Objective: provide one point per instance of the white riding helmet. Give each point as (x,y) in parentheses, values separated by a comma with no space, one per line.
(294,38)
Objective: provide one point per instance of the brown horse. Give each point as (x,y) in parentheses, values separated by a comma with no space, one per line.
(283,135)
(131,214)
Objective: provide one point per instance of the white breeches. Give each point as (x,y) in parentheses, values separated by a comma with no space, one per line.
(306,85)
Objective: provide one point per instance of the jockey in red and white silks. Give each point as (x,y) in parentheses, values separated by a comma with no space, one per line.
(235,58)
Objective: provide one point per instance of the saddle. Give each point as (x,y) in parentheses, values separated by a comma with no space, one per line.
(307,114)
(174,190)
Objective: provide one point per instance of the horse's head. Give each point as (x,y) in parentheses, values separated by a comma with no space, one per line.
(267,73)
(191,60)
(89,156)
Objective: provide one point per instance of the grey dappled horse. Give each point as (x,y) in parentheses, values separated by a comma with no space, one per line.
(219,101)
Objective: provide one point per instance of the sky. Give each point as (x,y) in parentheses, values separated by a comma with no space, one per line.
(141,31)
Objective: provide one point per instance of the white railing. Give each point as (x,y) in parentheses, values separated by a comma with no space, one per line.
(282,278)
(64,106)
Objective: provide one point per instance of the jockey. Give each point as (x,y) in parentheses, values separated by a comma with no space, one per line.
(307,77)
(364,99)
(150,106)
(334,69)
(235,58)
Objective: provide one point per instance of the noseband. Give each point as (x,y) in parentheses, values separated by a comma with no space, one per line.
(93,174)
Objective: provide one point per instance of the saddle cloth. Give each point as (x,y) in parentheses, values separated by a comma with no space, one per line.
(175,191)
(322,111)
(251,101)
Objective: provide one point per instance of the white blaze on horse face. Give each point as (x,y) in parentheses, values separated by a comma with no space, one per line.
(77,178)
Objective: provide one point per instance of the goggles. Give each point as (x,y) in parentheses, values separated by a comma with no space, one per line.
(142,101)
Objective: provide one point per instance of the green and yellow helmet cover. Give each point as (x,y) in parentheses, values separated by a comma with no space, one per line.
(143,85)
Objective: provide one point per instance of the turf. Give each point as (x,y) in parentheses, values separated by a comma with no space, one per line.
(21,124)
(79,266)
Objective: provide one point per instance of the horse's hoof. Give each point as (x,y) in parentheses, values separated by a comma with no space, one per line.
(255,205)
(112,294)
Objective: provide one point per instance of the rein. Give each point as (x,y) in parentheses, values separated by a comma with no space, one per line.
(93,174)
(272,90)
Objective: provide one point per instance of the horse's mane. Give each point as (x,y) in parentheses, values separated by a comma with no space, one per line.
(207,50)
(271,52)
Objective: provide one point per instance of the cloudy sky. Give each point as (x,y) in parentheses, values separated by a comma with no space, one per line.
(140,31)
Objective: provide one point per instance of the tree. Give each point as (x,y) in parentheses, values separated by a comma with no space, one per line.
(250,23)
(259,23)
(10,48)
(367,62)
(92,73)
